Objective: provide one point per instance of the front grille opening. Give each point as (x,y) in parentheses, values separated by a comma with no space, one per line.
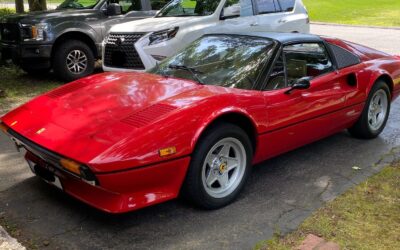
(118,58)
(9,32)
(120,51)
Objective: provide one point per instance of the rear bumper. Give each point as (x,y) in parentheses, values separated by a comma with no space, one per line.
(35,56)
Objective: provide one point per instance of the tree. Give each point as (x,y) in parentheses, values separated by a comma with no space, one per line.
(36,5)
(19,6)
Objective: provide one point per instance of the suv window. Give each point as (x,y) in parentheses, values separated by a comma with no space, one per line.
(298,61)
(246,6)
(130,5)
(177,8)
(158,4)
(267,6)
(287,5)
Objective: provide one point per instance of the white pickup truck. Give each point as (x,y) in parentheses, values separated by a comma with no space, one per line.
(139,45)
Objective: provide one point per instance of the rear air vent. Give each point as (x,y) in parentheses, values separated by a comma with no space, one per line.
(148,115)
(69,88)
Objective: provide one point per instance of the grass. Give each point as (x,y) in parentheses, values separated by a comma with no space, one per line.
(364,12)
(365,217)
(6,11)
(19,87)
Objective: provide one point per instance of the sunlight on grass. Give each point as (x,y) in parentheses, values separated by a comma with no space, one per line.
(365,217)
(19,87)
(365,12)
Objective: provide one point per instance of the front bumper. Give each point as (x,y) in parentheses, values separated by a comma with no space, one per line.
(34,56)
(113,192)
(149,55)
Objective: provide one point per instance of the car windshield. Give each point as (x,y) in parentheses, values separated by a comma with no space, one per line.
(232,61)
(177,8)
(78,4)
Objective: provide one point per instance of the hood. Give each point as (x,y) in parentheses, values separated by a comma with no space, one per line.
(154,24)
(84,113)
(44,16)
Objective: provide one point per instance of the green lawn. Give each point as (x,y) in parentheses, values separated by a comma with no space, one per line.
(366,217)
(19,87)
(362,12)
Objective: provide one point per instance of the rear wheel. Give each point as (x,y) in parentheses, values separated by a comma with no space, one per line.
(219,168)
(375,114)
(73,59)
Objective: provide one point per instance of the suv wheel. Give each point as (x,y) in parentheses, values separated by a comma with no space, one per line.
(73,60)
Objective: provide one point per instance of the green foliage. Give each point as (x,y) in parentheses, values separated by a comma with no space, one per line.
(365,217)
(18,87)
(6,11)
(365,12)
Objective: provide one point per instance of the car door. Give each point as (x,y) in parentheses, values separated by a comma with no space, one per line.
(303,116)
(267,15)
(279,15)
(245,19)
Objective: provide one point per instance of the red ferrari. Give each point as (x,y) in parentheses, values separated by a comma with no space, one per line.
(197,122)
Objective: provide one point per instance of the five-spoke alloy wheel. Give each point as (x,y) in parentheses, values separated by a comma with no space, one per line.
(219,167)
(375,114)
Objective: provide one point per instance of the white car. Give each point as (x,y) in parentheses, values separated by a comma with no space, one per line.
(140,45)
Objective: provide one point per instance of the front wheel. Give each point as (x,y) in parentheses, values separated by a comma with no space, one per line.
(375,114)
(219,167)
(73,60)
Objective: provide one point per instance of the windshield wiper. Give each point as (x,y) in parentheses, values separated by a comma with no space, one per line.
(192,70)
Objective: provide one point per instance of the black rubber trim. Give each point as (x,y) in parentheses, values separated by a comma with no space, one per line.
(309,119)
(143,166)
(39,151)
(32,146)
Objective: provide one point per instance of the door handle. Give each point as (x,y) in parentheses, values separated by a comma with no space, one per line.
(254,24)
(282,21)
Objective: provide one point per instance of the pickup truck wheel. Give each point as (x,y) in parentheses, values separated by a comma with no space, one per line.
(73,59)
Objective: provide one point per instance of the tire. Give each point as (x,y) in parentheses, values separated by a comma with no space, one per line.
(366,127)
(64,65)
(218,140)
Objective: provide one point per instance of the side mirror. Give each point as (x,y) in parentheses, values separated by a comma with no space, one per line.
(302,83)
(114,9)
(230,12)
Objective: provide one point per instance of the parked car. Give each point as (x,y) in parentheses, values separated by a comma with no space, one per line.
(68,39)
(196,123)
(140,45)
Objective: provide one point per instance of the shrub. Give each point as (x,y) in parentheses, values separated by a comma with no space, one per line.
(6,11)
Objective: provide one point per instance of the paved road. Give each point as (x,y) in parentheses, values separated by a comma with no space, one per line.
(281,193)
(387,40)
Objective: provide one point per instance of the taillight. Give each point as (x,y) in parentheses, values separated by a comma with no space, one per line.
(3,128)
(79,170)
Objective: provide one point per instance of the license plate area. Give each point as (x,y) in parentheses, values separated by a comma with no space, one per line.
(47,175)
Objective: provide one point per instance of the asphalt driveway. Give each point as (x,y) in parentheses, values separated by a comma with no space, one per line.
(281,193)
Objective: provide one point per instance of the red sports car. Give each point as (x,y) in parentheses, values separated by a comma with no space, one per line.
(197,122)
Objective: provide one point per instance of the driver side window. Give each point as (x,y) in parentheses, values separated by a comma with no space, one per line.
(298,61)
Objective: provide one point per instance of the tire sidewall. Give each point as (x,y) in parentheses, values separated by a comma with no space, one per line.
(60,65)
(216,134)
(378,86)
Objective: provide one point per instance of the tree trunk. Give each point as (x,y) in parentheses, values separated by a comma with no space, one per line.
(19,6)
(43,4)
(34,5)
